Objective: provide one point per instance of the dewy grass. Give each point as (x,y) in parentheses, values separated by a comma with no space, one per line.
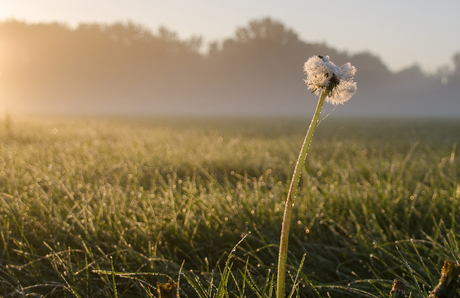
(159,193)
(335,83)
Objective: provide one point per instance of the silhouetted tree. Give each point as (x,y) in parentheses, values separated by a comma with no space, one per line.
(370,67)
(411,73)
(454,79)
(127,67)
(456,59)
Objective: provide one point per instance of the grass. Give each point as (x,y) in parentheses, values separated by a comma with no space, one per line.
(111,207)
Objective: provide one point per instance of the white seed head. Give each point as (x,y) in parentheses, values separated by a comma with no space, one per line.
(323,74)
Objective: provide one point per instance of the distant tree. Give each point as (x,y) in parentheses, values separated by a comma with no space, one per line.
(261,47)
(93,62)
(456,60)
(411,73)
(53,65)
(454,78)
(370,67)
(127,33)
(265,30)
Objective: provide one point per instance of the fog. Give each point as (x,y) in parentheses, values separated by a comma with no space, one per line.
(127,69)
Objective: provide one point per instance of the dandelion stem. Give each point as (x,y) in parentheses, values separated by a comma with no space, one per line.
(281,280)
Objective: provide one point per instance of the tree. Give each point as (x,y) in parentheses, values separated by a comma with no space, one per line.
(265,30)
(456,60)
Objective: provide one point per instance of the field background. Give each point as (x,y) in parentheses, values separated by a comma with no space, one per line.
(110,207)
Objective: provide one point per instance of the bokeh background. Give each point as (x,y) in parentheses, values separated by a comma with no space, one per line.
(225,58)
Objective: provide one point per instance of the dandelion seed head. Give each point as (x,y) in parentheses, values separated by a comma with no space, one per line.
(323,74)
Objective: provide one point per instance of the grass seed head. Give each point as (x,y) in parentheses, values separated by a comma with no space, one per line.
(398,290)
(167,290)
(448,282)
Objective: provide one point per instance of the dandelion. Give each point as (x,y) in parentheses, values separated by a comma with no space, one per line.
(327,80)
(322,74)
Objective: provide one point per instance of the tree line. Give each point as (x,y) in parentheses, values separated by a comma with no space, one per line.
(128,68)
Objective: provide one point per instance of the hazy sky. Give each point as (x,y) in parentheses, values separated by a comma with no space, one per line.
(401,32)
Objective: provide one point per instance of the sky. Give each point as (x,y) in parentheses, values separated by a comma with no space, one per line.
(401,32)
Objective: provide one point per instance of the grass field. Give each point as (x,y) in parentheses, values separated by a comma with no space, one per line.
(110,207)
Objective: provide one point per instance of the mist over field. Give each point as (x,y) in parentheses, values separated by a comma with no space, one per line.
(127,69)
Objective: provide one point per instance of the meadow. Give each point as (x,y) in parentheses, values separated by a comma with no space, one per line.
(111,207)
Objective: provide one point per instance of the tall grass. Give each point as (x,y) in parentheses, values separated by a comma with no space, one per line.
(110,207)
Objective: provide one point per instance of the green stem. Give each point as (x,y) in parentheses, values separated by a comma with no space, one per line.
(281,281)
